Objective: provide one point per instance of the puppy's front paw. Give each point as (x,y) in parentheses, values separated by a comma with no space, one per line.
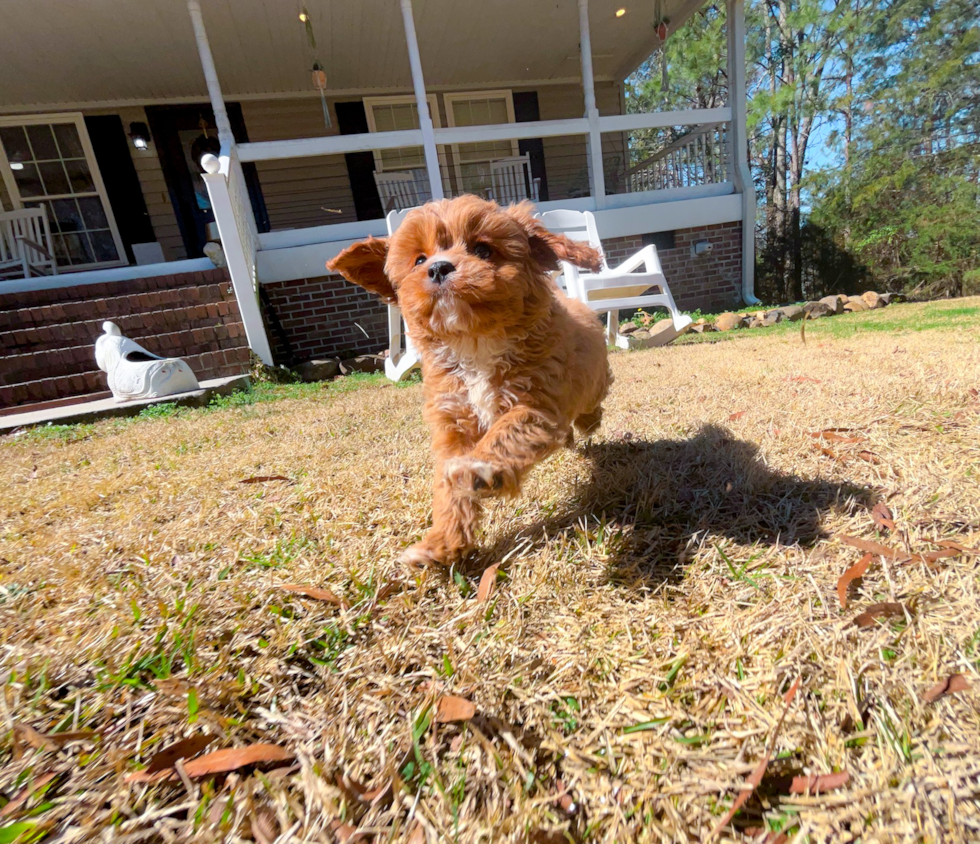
(469,475)
(420,555)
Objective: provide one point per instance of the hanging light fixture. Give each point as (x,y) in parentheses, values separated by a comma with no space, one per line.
(318,74)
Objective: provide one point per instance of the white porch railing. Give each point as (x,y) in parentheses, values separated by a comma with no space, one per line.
(695,158)
(702,164)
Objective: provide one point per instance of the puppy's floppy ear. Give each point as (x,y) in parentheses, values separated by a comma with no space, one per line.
(364,264)
(549,249)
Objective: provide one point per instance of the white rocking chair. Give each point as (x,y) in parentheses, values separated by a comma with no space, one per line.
(613,288)
(26,248)
(402,357)
(511,181)
(401,190)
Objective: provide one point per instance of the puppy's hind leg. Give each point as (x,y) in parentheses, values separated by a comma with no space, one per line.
(588,423)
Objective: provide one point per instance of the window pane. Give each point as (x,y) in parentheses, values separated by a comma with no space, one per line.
(104,246)
(480,112)
(78,249)
(66,214)
(68,141)
(485,150)
(55,181)
(28,181)
(80,175)
(92,212)
(15,143)
(402,158)
(42,142)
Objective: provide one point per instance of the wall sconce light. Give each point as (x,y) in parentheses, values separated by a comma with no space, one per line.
(139,134)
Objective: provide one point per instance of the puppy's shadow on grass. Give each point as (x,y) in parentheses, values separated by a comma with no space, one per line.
(648,504)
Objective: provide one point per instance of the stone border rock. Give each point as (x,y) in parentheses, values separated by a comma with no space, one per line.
(838,303)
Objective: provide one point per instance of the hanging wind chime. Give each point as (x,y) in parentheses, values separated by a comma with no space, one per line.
(318,74)
(661,25)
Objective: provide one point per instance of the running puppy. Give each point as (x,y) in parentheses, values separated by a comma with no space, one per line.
(509,363)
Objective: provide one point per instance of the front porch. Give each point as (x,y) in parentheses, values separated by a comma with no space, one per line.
(554,132)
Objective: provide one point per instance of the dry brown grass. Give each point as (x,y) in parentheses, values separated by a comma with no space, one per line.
(660,589)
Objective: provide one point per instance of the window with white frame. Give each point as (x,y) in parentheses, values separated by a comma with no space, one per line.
(47,159)
(479,108)
(393,114)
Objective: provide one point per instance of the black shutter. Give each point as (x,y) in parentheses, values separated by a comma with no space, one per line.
(526,111)
(110,143)
(352,120)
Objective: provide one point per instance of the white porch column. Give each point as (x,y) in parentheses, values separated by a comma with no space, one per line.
(597,176)
(230,203)
(210,75)
(425,119)
(738,141)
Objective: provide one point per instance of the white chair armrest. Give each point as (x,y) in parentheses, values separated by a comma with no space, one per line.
(647,258)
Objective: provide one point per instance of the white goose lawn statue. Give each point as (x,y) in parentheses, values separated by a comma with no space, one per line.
(134,373)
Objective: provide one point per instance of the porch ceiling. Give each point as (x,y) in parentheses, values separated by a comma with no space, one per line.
(58,54)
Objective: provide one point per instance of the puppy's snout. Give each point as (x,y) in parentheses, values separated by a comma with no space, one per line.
(440,271)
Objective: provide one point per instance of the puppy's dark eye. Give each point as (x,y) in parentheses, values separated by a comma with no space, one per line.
(420,260)
(482,251)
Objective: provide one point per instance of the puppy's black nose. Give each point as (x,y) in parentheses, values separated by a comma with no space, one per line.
(440,270)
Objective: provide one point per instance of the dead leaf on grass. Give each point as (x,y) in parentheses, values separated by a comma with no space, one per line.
(342,830)
(22,796)
(831,435)
(262,479)
(803,379)
(487,582)
(265,827)
(953,683)
(759,771)
(564,799)
(873,548)
(49,741)
(221,762)
(316,594)
(818,783)
(183,749)
(887,609)
(452,708)
(737,415)
(947,543)
(417,835)
(869,456)
(826,452)
(852,574)
(882,516)
(358,791)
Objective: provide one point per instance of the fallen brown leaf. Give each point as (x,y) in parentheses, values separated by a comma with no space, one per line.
(852,574)
(184,749)
(874,548)
(220,762)
(832,436)
(265,827)
(564,799)
(947,543)
(417,835)
(342,830)
(882,516)
(452,708)
(316,594)
(49,741)
(817,783)
(487,582)
(261,479)
(737,415)
(869,456)
(953,683)
(22,796)
(876,611)
(759,771)
(826,452)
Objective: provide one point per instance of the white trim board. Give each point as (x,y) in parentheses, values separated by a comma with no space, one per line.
(105,276)
(308,259)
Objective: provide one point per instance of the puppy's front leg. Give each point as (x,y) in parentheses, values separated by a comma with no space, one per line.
(455,516)
(515,442)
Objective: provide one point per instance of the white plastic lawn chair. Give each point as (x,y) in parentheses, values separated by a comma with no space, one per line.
(613,288)
(402,357)
(401,190)
(511,180)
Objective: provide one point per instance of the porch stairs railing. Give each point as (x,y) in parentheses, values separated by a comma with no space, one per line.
(698,157)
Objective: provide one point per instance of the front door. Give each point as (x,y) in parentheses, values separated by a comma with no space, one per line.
(182,135)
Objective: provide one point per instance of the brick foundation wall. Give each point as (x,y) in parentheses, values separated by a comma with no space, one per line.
(320,317)
(47,337)
(711,281)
